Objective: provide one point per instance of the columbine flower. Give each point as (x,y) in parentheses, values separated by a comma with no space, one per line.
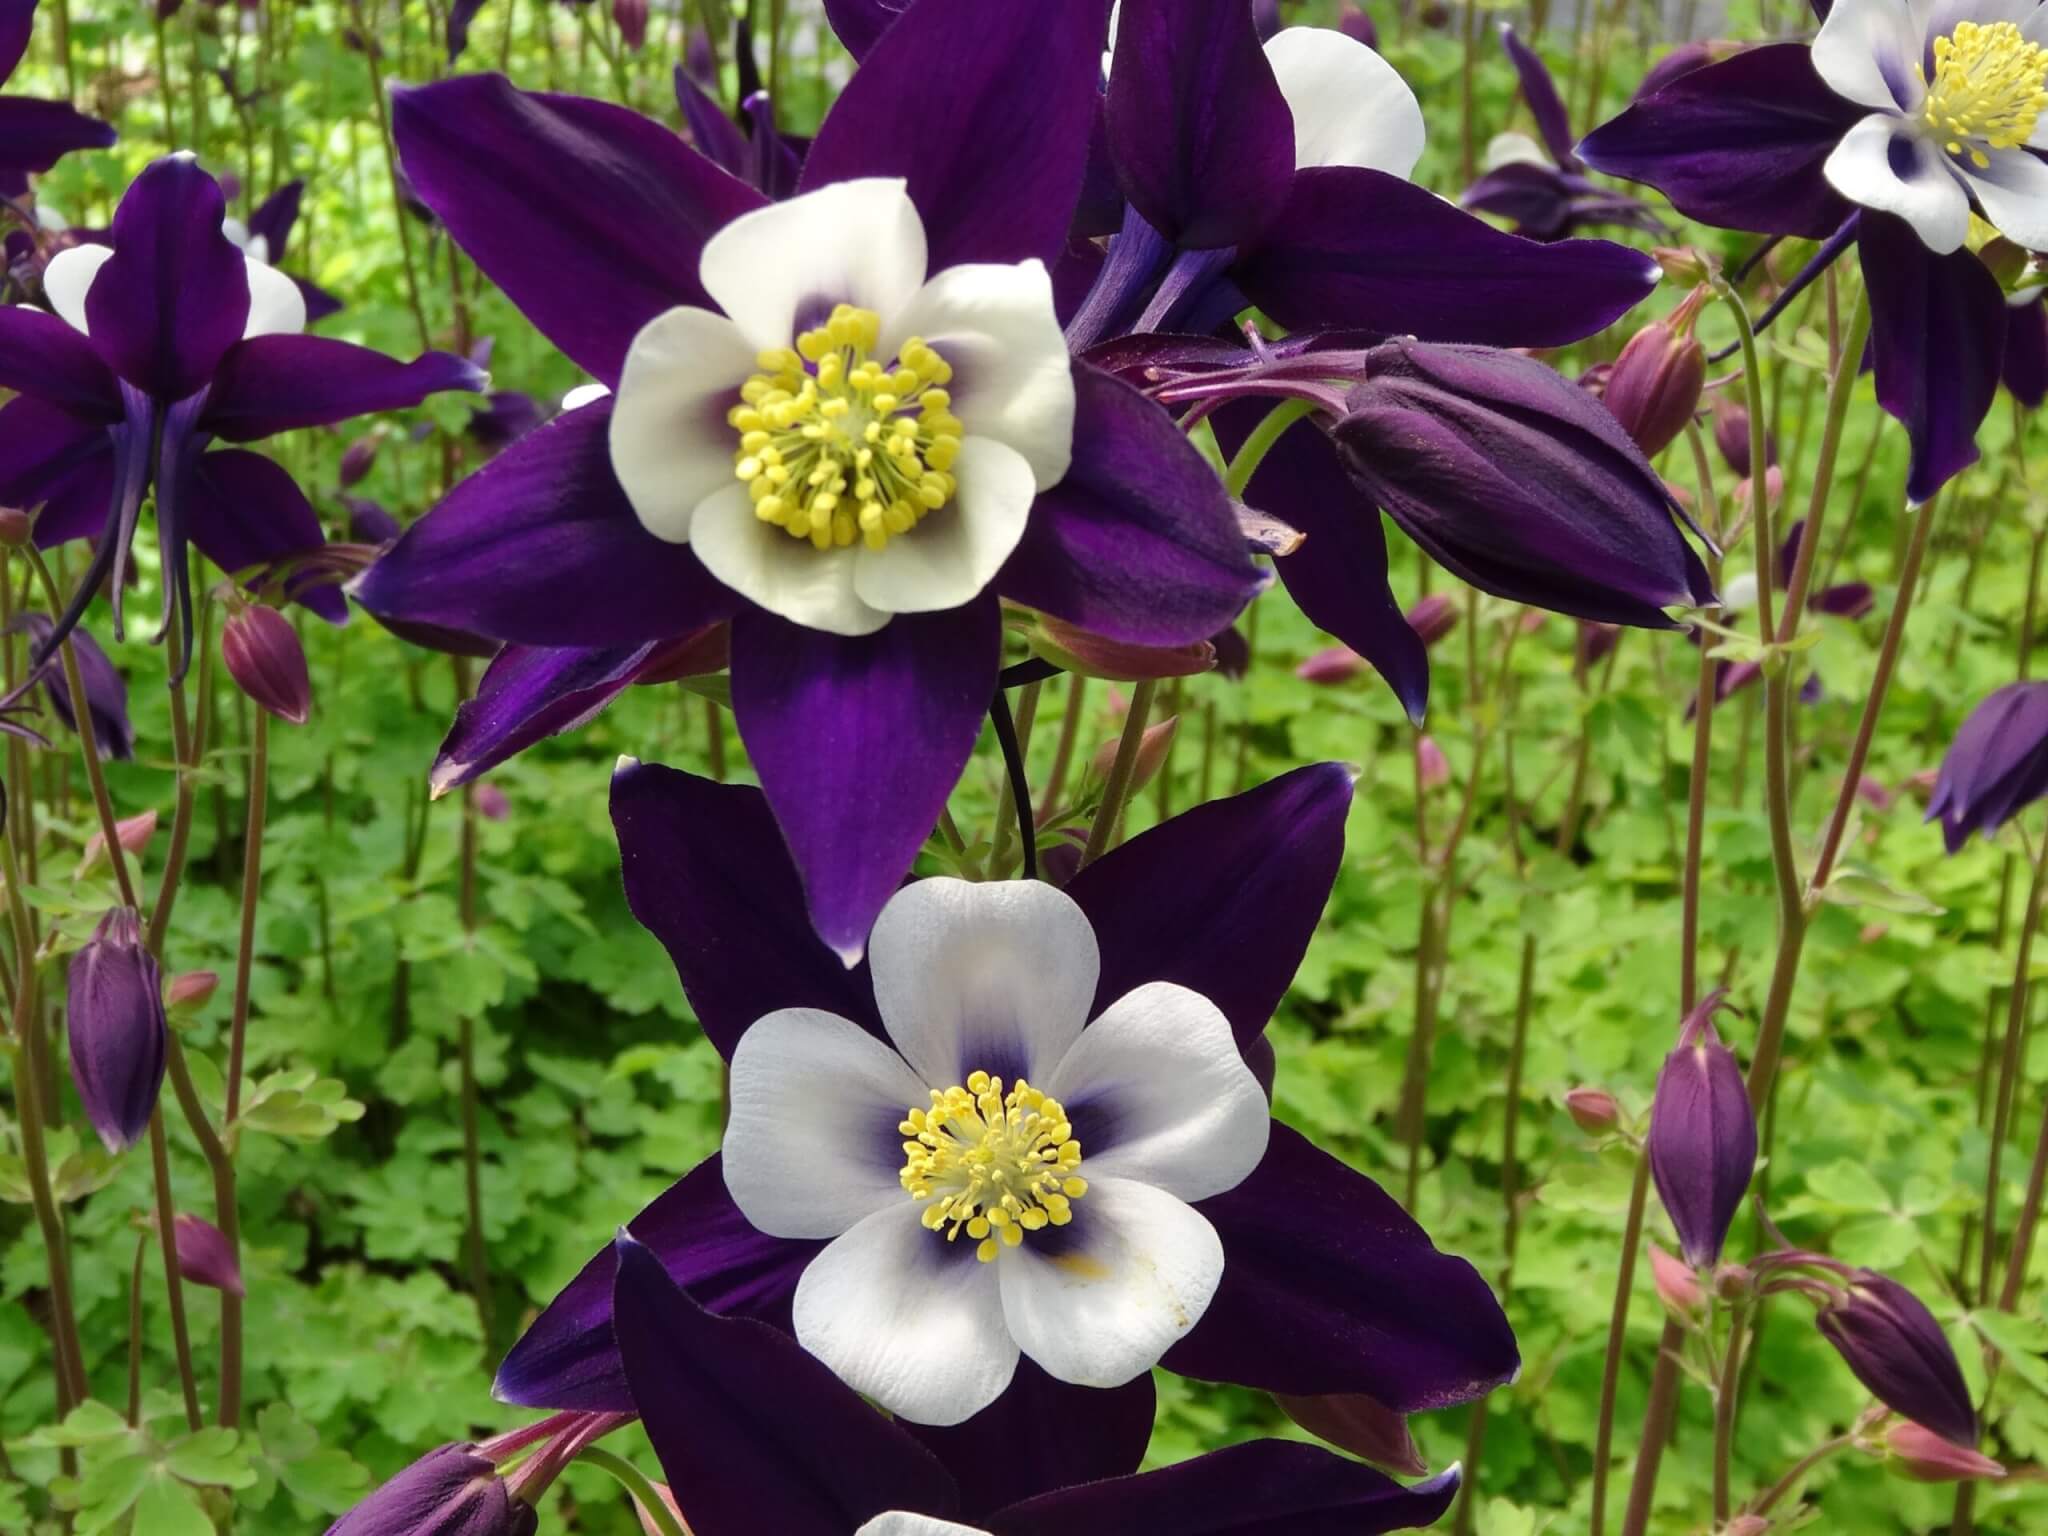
(1702,1140)
(844,422)
(106,691)
(1325,1286)
(34,134)
(163,341)
(451,1491)
(1894,1346)
(264,238)
(1996,766)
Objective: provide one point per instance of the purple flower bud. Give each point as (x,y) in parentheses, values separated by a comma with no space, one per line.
(114,1016)
(369,523)
(491,803)
(506,417)
(1996,766)
(1432,768)
(1593,1110)
(106,694)
(204,1257)
(358,458)
(1516,480)
(1702,1141)
(1895,1347)
(447,1492)
(1656,383)
(1233,653)
(1922,1455)
(1433,616)
(1355,24)
(1731,436)
(264,657)
(1594,643)
(631,16)
(1075,649)
(1845,600)
(1338,664)
(1361,1425)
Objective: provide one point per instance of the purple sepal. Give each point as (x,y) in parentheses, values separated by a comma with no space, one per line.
(1540,92)
(106,692)
(46,453)
(713,133)
(527,694)
(114,1019)
(44,358)
(1894,1346)
(451,1491)
(274,218)
(507,415)
(247,514)
(1702,1141)
(35,135)
(857,23)
(460,14)
(17,23)
(2025,370)
(1328,1286)
(1996,766)
(273,384)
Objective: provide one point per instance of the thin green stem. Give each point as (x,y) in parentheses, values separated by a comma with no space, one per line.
(1122,773)
(1727,1395)
(1798,1470)
(2009,1069)
(174,1282)
(1255,448)
(631,1479)
(1617,1333)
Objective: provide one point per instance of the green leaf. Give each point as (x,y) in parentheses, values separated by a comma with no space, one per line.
(214,1456)
(169,1508)
(1851,887)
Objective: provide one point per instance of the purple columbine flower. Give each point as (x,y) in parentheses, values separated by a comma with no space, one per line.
(106,691)
(902,307)
(756,1435)
(1996,766)
(162,342)
(1702,1140)
(1296,1276)
(35,135)
(114,1019)
(1887,132)
(451,1491)
(264,237)
(1894,1346)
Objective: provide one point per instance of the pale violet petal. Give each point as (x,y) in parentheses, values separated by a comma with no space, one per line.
(276,307)
(785,575)
(671,444)
(1013,380)
(907,1318)
(2013,191)
(1107,1296)
(1160,1071)
(812,1145)
(68,278)
(1866,52)
(1350,106)
(897,1523)
(956,550)
(784,266)
(993,977)
(1927,196)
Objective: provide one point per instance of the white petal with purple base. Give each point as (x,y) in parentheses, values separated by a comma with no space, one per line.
(1350,106)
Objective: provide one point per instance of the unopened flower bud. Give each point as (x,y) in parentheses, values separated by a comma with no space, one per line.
(1922,1455)
(1432,768)
(15,526)
(1354,23)
(1747,1525)
(631,16)
(106,694)
(369,523)
(1359,1424)
(1733,1282)
(1152,749)
(190,990)
(359,458)
(204,1257)
(1682,264)
(1076,650)
(1996,766)
(1921,785)
(491,803)
(1731,435)
(1594,643)
(1593,1110)
(1678,1287)
(1702,1140)
(448,1492)
(1338,664)
(1774,489)
(1844,600)
(1433,616)
(1656,383)
(133,833)
(263,655)
(1893,1345)
(114,1017)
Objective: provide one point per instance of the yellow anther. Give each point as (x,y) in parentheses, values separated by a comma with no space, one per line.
(996,1164)
(1990,87)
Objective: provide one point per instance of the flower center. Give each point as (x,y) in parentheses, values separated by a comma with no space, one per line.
(1990,83)
(834,444)
(998,1164)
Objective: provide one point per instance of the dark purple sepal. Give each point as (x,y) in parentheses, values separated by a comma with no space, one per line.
(35,135)
(541,547)
(858,23)
(1201,138)
(174,296)
(78,500)
(106,691)
(708,874)
(1138,543)
(712,132)
(276,383)
(450,1491)
(1937,337)
(274,218)
(247,514)
(1702,1141)
(589,216)
(1896,1348)
(1996,765)
(1328,1286)
(319,302)
(17,24)
(42,356)
(755,1433)
(1540,92)
(2025,369)
(822,714)
(995,151)
(114,1020)
(460,14)
(567,1358)
(1222,898)
(1359,248)
(1739,144)
(527,694)
(1534,198)
(41,446)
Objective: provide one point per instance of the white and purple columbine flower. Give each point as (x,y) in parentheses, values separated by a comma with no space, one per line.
(844,423)
(35,134)
(164,340)
(1279,1269)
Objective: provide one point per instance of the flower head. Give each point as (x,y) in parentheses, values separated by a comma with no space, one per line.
(1702,1140)
(106,691)
(1895,1347)
(1996,766)
(114,1018)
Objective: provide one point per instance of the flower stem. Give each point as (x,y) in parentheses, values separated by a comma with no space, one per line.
(1617,1333)
(1122,770)
(1799,1469)
(2008,1077)
(1255,448)
(1657,1417)
(174,1282)
(1014,801)
(472,1155)
(630,1478)
(135,1332)
(1727,1394)
(1070,734)
(1702,761)
(383,112)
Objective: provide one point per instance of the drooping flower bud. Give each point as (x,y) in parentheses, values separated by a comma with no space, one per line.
(631,16)
(369,523)
(1433,617)
(106,694)
(190,990)
(1678,1287)
(1594,644)
(204,1257)
(1152,749)
(1922,1455)
(359,458)
(1076,650)
(15,527)
(1656,382)
(1921,785)
(1997,764)
(1682,60)
(491,803)
(451,1491)
(1432,768)
(1338,664)
(263,655)
(1516,480)
(1893,1345)
(1593,1110)
(1844,600)
(1702,1140)
(1731,435)
(133,833)
(114,1017)
(1362,1425)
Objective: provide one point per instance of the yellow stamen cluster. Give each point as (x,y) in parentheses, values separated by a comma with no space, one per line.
(834,445)
(1990,84)
(997,1164)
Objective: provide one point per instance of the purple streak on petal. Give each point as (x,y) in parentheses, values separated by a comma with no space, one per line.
(997,146)
(858,23)
(174,295)
(529,693)
(276,383)
(754,1432)
(1043,1434)
(42,356)
(715,135)
(708,874)
(1937,336)
(589,216)
(1138,543)
(2025,371)
(1223,898)
(1328,1286)
(35,135)
(567,1358)
(274,218)
(1739,144)
(1540,92)
(541,547)
(859,741)
(1202,139)
(244,512)
(1364,249)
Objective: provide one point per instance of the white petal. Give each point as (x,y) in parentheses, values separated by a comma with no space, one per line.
(1099,1304)
(1866,51)
(1512,149)
(2034,26)
(584,394)
(1161,1071)
(812,1145)
(1928,196)
(783,267)
(897,1523)
(909,1319)
(2013,190)
(807,586)
(1349,106)
(957,550)
(1012,378)
(995,977)
(671,444)
(276,307)
(236,231)
(68,278)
